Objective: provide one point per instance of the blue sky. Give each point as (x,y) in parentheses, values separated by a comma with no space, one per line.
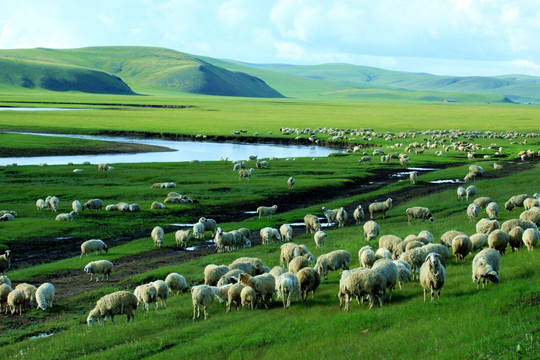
(446,37)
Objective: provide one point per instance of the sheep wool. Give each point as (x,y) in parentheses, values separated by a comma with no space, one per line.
(358,214)
(515,238)
(371,230)
(15,299)
(5,289)
(212,273)
(298,263)
(472,211)
(267,211)
(358,283)
(286,232)
(389,270)
(145,294)
(462,246)
(335,260)
(366,256)
(248,297)
(99,268)
(498,240)
(157,236)
(312,223)
(5,261)
(492,210)
(419,212)
(202,295)
(309,280)
(320,238)
(176,283)
(116,303)
(264,285)
(530,238)
(380,207)
(460,193)
(45,296)
(485,266)
(487,226)
(182,237)
(92,245)
(432,275)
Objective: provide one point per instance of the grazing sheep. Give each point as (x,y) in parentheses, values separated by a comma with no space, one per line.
(330,214)
(470,191)
(532,215)
(182,237)
(290,183)
(515,238)
(338,259)
(243,173)
(157,235)
(248,297)
(29,292)
(264,285)
(479,241)
(111,207)
(320,238)
(99,267)
(65,216)
(157,205)
(92,245)
(461,245)
(498,240)
(366,256)
(5,262)
(276,272)
(530,203)
(286,232)
(287,287)
(487,226)
(269,234)
(530,238)
(45,296)
(93,205)
(5,289)
(485,266)
(202,295)
(312,223)
(404,270)
(380,207)
(298,263)
(512,223)
(492,210)
(76,206)
(231,277)
(176,283)
(476,169)
(122,206)
(371,230)
(212,273)
(291,250)
(146,294)
(53,203)
(309,280)
(198,230)
(15,299)
(460,193)
(425,236)
(415,257)
(358,283)
(252,266)
(515,201)
(358,214)
(267,211)
(497,166)
(41,204)
(134,207)
(389,270)
(470,177)
(234,296)
(483,201)
(389,242)
(441,250)
(104,167)
(209,225)
(419,212)
(162,292)
(119,302)
(224,240)
(412,176)
(447,237)
(432,275)
(472,211)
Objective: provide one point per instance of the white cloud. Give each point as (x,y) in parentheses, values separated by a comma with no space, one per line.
(232,12)
(106,20)
(289,50)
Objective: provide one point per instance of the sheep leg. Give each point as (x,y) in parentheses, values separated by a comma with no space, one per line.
(194,311)
(432,294)
(205,312)
(425,294)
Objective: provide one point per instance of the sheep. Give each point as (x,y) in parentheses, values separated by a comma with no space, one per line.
(512,223)
(234,296)
(412,176)
(529,203)
(338,259)
(5,262)
(267,211)
(157,205)
(470,191)
(134,207)
(65,216)
(380,207)
(286,232)
(7,217)
(383,253)
(515,201)
(5,280)
(76,206)
(404,270)
(209,225)
(146,294)
(290,183)
(276,272)
(476,169)
(461,245)
(53,203)
(231,277)
(45,296)
(15,299)
(532,215)
(176,283)
(111,207)
(515,238)
(291,250)
(460,192)
(330,214)
(202,295)
(162,292)
(492,210)
(320,238)
(366,256)
(198,230)
(269,234)
(479,241)
(41,204)
(248,297)
(224,240)
(498,240)
(104,167)
(441,250)
(487,226)
(432,275)
(287,287)
(389,242)
(309,280)
(93,205)
(119,302)
(243,173)
(358,214)
(472,211)
(446,238)
(419,212)
(425,236)
(92,245)
(5,289)
(212,273)
(263,284)
(389,270)
(410,242)
(29,292)
(261,164)
(483,201)
(157,236)
(182,237)
(415,257)
(252,266)
(371,230)
(298,263)
(99,267)
(341,217)
(358,283)
(312,223)
(485,266)
(530,238)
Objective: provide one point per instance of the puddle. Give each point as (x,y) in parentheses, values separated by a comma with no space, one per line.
(421,169)
(182,225)
(204,245)
(43,335)
(446,181)
(250,212)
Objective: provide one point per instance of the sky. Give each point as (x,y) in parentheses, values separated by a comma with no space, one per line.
(443,37)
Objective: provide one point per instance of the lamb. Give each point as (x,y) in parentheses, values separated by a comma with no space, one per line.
(461,245)
(498,240)
(330,214)
(371,230)
(380,207)
(267,211)
(176,283)
(358,214)
(492,210)
(93,205)
(119,302)
(290,183)
(286,232)
(485,266)
(532,215)
(209,225)
(419,212)
(99,267)
(15,299)
(248,297)
(53,203)
(470,191)
(515,201)
(366,256)
(515,238)
(224,240)
(320,238)
(212,273)
(202,295)
(358,283)
(483,201)
(269,234)
(460,192)
(472,211)
(447,237)
(157,205)
(263,284)
(291,250)
(389,242)
(234,296)
(41,204)
(487,226)
(29,292)
(338,259)
(146,294)
(530,238)
(5,262)
(287,287)
(479,241)
(389,270)
(157,235)
(65,216)
(45,296)
(309,280)
(432,275)
(312,223)
(76,206)
(182,237)
(92,245)
(298,263)
(5,289)
(243,173)
(413,175)
(404,270)
(198,230)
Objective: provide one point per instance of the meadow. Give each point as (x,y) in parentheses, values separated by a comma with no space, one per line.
(497,322)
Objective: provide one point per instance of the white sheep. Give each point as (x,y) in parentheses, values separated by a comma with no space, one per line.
(224,240)
(341,217)
(389,270)
(76,206)
(212,273)
(371,230)
(485,266)
(234,296)
(162,292)
(425,236)
(358,214)
(366,256)
(45,296)
(92,245)
(515,238)
(419,212)
(145,294)
(198,230)
(252,266)
(447,237)
(29,292)
(286,232)
(291,250)
(498,240)
(5,261)
(182,237)
(512,223)
(432,275)
(472,211)
(380,207)
(530,203)
(516,201)
(460,193)
(383,253)
(157,205)
(269,234)
(248,297)
(404,269)
(243,173)
(479,241)
(287,287)
(298,263)
(5,280)
(358,283)
(532,215)
(157,236)
(309,280)
(119,302)
(65,216)
(330,214)
(134,207)
(320,238)
(267,211)
(312,223)
(462,246)
(261,164)
(230,277)
(487,226)
(15,299)
(530,238)
(389,242)
(53,203)
(483,201)
(470,191)
(264,285)
(413,175)
(492,210)
(290,182)
(5,289)
(41,204)
(99,268)
(209,225)
(93,205)
(335,260)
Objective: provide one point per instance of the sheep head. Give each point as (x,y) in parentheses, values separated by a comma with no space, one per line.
(245,279)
